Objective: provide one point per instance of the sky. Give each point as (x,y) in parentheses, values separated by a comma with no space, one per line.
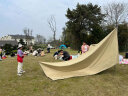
(15,15)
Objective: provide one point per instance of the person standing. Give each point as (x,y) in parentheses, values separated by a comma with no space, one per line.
(48,48)
(0,53)
(84,47)
(20,57)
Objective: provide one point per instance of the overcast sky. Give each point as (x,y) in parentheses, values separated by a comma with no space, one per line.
(15,15)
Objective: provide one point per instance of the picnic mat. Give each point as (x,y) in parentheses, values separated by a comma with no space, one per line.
(100,57)
(124,61)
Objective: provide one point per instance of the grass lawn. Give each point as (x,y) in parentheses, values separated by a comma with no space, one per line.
(112,82)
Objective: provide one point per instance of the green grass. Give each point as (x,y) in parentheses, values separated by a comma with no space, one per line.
(112,82)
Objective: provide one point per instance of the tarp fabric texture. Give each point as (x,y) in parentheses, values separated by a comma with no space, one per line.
(100,57)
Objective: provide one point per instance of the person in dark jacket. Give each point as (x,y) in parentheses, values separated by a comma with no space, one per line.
(65,55)
(56,55)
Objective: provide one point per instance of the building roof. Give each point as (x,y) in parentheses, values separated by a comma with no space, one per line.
(3,42)
(21,37)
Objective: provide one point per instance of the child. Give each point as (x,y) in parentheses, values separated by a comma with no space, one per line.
(42,53)
(20,57)
(84,48)
(56,55)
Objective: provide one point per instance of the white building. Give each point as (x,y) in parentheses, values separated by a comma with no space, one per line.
(27,39)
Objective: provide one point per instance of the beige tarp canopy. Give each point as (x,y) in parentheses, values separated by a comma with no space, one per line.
(100,57)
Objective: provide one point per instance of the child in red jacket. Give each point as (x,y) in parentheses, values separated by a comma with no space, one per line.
(20,57)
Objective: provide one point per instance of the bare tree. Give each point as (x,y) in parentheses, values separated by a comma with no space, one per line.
(50,39)
(40,39)
(115,13)
(52,25)
(28,35)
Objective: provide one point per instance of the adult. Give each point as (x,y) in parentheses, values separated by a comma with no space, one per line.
(35,53)
(31,49)
(65,55)
(20,57)
(48,48)
(84,48)
(39,50)
(0,53)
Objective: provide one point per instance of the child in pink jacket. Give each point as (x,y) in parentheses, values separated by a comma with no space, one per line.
(84,47)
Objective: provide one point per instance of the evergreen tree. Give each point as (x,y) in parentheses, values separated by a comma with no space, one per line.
(21,42)
(84,24)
